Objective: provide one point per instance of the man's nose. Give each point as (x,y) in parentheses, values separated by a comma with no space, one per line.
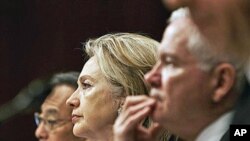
(41,132)
(153,77)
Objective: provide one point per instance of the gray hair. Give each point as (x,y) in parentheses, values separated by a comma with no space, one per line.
(209,55)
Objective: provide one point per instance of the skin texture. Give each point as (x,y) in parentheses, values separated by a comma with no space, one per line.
(174,79)
(54,107)
(184,98)
(92,100)
(127,126)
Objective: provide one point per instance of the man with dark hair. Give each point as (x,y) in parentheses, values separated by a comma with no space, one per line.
(54,121)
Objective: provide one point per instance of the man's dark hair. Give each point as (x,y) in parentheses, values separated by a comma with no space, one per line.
(69,78)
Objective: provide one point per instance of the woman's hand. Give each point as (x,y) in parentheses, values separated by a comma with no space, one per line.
(128,125)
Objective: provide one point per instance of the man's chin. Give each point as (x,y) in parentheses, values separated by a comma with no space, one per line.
(156,116)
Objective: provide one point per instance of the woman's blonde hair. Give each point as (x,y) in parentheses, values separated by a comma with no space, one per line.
(124,58)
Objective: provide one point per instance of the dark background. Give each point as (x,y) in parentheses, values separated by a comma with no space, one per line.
(41,37)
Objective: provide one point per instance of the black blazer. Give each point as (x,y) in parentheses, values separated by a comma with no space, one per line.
(242,113)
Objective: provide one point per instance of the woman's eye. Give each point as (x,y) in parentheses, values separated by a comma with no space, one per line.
(86,85)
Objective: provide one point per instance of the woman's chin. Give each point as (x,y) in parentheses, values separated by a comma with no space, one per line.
(77,130)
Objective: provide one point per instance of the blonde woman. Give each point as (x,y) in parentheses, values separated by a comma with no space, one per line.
(115,70)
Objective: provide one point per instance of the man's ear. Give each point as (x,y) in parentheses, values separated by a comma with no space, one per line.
(225,75)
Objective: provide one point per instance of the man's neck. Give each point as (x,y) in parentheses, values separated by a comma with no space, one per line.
(195,127)
(215,130)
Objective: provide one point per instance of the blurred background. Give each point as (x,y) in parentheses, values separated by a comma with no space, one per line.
(42,37)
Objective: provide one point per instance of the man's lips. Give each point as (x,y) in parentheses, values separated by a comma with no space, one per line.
(157,95)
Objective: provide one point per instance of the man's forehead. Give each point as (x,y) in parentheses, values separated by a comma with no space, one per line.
(50,111)
(182,23)
(47,110)
(174,34)
(54,109)
(175,40)
(52,105)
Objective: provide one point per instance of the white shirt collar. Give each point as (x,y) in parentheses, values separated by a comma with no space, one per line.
(217,129)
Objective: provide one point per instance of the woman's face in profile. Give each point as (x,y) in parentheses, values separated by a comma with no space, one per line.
(94,110)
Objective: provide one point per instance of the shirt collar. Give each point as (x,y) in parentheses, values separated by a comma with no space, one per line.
(217,129)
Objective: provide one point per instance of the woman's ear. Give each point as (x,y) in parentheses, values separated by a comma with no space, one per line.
(120,105)
(225,75)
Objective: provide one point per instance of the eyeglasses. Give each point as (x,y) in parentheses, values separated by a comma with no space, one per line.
(50,124)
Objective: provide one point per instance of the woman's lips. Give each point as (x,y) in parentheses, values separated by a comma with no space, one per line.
(75,118)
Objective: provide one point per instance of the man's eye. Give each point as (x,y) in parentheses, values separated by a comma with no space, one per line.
(169,61)
(52,122)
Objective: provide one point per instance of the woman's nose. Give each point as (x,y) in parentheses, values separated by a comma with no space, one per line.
(73,100)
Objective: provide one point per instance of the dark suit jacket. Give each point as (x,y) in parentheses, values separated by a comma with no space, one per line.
(242,113)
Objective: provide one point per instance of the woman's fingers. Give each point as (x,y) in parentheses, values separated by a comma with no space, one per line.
(135,109)
(134,100)
(141,103)
(153,133)
(134,120)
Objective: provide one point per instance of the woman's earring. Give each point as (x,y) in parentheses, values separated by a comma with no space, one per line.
(119,110)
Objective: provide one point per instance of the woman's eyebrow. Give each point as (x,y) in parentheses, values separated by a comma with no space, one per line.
(84,77)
